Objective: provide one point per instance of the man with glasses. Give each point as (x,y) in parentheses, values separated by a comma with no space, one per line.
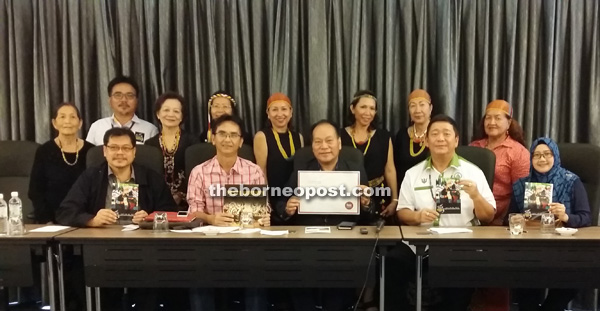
(88,203)
(226,168)
(123,95)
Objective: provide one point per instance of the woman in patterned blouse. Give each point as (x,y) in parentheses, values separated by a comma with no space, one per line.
(170,111)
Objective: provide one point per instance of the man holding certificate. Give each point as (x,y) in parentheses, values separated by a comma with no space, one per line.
(344,181)
(326,170)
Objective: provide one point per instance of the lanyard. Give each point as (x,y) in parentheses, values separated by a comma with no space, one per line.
(292,147)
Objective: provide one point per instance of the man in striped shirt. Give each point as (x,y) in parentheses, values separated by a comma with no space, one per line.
(226,168)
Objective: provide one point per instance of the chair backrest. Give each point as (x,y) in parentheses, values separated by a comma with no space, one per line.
(347,153)
(199,153)
(148,156)
(16,160)
(484,158)
(582,159)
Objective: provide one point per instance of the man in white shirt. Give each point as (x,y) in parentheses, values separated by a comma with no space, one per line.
(123,94)
(424,193)
(444,190)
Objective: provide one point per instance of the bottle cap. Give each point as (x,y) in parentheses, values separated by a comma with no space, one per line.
(14,194)
(1,196)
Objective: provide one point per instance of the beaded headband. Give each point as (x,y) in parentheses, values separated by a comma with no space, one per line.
(221,95)
(365,96)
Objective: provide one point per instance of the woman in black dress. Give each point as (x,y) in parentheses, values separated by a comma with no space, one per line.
(274,146)
(58,163)
(409,145)
(376,146)
(173,141)
(221,103)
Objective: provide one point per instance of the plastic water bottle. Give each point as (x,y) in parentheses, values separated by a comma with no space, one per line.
(15,212)
(3,216)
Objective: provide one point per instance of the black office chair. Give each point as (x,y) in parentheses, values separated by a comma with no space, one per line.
(199,153)
(576,158)
(16,160)
(148,156)
(347,153)
(483,158)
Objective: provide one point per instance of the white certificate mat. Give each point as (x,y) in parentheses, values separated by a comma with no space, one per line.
(330,180)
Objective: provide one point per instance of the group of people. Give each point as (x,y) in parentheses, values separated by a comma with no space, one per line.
(410,164)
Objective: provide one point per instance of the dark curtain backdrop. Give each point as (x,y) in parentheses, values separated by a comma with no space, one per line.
(543,56)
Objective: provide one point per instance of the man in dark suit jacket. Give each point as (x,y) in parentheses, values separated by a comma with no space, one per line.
(326,146)
(88,202)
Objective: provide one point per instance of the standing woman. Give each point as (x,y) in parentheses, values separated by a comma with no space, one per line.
(275,146)
(376,146)
(170,111)
(58,163)
(221,103)
(503,135)
(409,145)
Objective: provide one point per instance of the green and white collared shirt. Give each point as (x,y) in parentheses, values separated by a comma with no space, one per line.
(418,190)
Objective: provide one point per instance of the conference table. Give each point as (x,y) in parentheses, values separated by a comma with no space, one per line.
(145,259)
(16,268)
(491,257)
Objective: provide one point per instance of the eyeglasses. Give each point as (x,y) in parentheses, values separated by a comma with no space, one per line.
(221,107)
(119,96)
(224,135)
(115,148)
(546,155)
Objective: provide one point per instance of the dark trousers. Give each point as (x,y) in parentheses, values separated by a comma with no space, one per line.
(529,299)
(331,299)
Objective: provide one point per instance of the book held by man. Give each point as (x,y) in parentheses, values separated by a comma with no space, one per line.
(124,200)
(246,199)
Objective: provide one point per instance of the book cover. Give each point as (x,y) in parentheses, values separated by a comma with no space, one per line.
(238,199)
(124,199)
(447,195)
(537,198)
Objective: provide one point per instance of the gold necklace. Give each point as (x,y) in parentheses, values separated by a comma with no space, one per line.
(292,147)
(63,153)
(412,149)
(354,143)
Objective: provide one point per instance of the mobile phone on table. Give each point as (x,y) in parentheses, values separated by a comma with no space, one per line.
(346,225)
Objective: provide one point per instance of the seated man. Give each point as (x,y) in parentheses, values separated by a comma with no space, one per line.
(88,203)
(326,146)
(424,181)
(226,168)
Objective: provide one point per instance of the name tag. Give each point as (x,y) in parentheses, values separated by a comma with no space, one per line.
(139,137)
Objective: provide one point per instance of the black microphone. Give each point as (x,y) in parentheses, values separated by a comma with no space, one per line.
(380,224)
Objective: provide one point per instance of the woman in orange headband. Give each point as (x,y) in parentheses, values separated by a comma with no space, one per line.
(500,133)
(275,146)
(409,144)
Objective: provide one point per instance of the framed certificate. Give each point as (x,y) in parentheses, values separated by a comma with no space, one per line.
(331,192)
